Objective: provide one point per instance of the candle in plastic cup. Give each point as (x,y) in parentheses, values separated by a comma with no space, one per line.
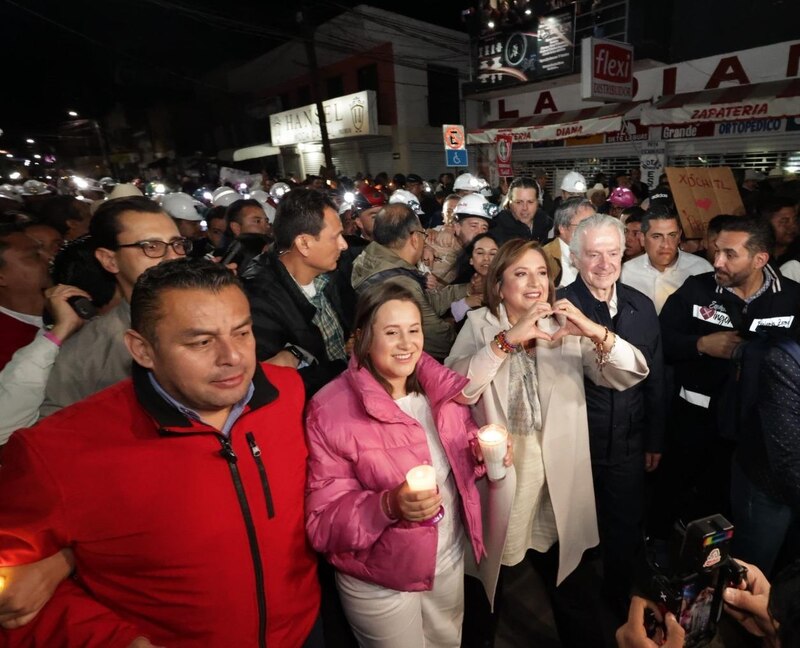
(423,478)
(493,441)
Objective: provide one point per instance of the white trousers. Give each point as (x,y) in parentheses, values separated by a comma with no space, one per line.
(386,618)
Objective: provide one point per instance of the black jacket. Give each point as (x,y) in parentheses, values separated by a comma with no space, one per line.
(505,227)
(701,307)
(770,456)
(282,315)
(631,421)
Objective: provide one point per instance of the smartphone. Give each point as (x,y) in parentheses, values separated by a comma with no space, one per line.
(83,307)
(231,253)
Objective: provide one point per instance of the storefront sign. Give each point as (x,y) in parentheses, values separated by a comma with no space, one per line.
(606,70)
(702,193)
(348,116)
(632,131)
(773,107)
(543,48)
(750,127)
(590,126)
(503,144)
(687,131)
(757,65)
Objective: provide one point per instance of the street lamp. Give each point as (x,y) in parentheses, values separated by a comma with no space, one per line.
(72,113)
(30,141)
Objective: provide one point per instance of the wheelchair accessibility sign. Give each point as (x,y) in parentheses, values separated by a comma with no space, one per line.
(457,158)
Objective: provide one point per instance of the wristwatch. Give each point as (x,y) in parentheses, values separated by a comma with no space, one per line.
(297,353)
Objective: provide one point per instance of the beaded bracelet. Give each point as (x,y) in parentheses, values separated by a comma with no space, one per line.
(602,354)
(503,344)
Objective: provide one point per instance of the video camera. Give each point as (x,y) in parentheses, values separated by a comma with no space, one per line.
(690,581)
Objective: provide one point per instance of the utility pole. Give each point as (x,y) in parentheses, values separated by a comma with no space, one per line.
(307,33)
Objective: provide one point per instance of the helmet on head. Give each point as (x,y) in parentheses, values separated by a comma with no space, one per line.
(34,188)
(622,197)
(182,206)
(367,197)
(263,197)
(469,182)
(406,198)
(278,190)
(574,183)
(9,192)
(475,205)
(224,196)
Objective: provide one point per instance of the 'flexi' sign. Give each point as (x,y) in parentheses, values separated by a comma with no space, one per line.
(606,70)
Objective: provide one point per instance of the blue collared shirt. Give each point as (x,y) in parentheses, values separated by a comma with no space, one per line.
(236,411)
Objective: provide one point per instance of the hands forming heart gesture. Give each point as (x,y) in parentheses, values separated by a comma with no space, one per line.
(552,323)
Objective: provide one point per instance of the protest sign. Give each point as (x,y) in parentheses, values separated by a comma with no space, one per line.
(701,193)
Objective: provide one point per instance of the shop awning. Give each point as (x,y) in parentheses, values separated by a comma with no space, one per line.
(559,125)
(774,99)
(251,152)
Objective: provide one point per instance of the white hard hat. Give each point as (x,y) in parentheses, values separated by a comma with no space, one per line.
(8,192)
(181,205)
(469,182)
(34,188)
(406,198)
(263,197)
(260,195)
(574,182)
(88,184)
(224,196)
(475,205)
(279,189)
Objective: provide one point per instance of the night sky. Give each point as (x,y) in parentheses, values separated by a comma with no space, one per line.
(85,55)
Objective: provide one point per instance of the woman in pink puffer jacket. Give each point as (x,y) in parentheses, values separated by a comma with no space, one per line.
(399,573)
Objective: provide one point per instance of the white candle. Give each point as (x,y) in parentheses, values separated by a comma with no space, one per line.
(492,434)
(493,440)
(421,478)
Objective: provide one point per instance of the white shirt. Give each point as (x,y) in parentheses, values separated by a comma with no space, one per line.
(639,273)
(450,545)
(568,271)
(33,320)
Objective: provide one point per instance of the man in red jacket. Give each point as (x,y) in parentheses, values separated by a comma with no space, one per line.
(180,491)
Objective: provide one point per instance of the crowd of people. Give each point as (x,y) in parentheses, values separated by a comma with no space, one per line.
(216,408)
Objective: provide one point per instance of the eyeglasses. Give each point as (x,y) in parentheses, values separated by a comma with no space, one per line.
(158,249)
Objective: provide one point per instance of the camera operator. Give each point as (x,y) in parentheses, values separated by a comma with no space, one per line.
(769,611)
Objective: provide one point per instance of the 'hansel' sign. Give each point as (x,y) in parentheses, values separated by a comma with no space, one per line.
(348,116)
(606,70)
(702,193)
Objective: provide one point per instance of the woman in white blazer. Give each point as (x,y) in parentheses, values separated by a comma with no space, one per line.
(526,358)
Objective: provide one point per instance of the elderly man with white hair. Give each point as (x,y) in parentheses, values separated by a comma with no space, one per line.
(626,428)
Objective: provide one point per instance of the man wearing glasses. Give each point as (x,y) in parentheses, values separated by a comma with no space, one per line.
(129,236)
